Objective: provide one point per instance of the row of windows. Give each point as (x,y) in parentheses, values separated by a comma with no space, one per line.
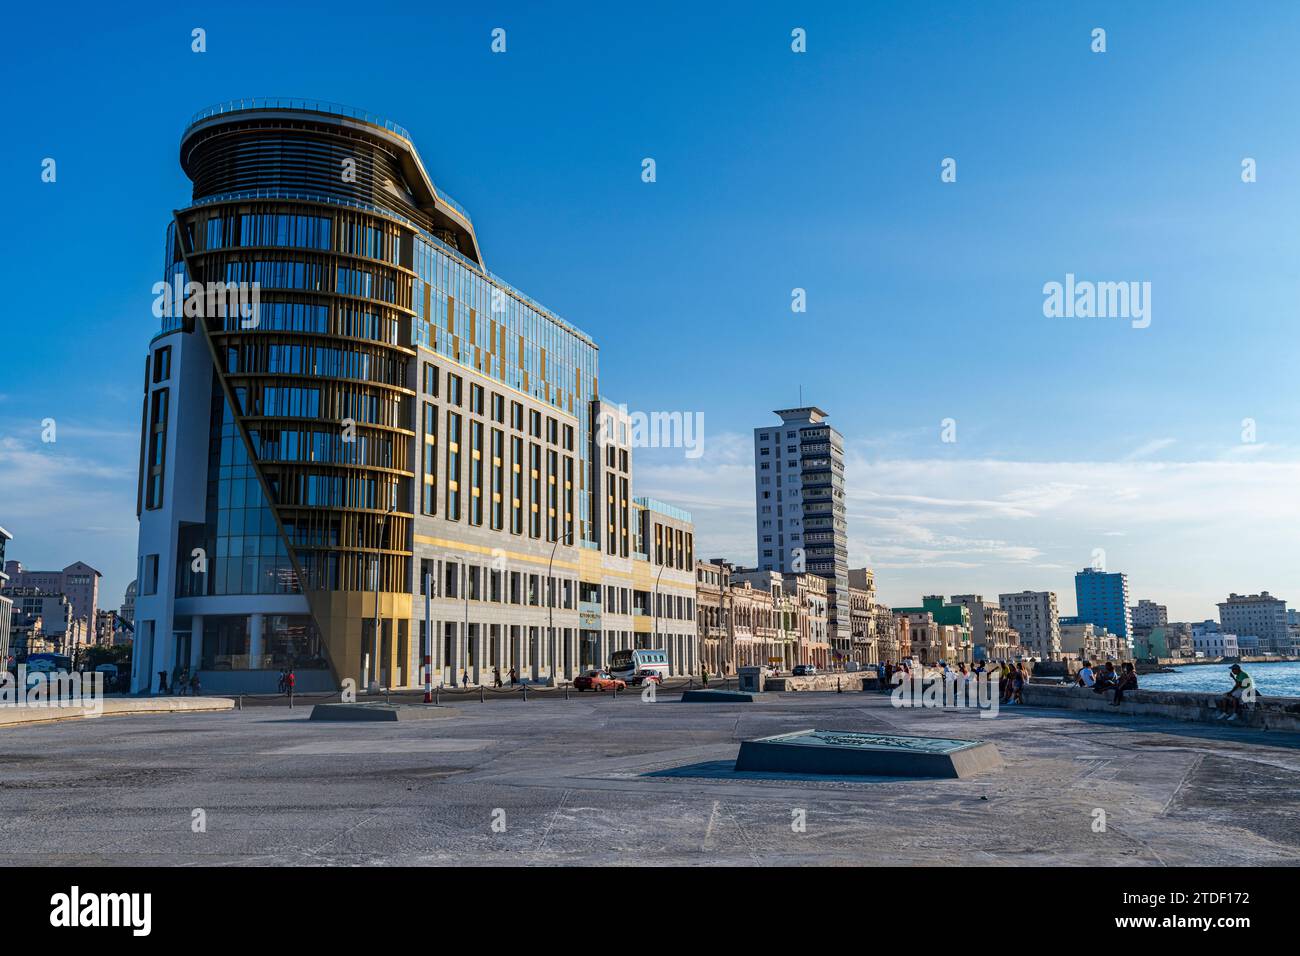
(431,376)
(325,401)
(267,229)
(377,449)
(462,470)
(255,355)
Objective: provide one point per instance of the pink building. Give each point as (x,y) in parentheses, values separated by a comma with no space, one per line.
(79,581)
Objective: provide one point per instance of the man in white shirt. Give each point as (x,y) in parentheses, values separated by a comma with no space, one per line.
(1086,676)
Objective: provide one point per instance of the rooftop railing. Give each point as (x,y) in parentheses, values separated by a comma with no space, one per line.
(298,103)
(672,511)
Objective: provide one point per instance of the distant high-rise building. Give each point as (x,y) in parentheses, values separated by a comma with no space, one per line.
(1034,615)
(1257,615)
(1148,614)
(1102,598)
(799,508)
(6,605)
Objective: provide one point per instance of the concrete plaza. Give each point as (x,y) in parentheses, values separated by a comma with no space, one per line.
(598,780)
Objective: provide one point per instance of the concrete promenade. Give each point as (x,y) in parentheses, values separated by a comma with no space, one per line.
(595,780)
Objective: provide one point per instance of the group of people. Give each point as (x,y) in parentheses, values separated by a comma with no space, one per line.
(465,681)
(1105,678)
(1011,677)
(287,681)
(183,682)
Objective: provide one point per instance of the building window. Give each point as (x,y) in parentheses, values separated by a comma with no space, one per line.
(148,574)
(430,379)
(534,490)
(453,464)
(476,470)
(162,364)
(429,498)
(157,449)
(516,485)
(498,453)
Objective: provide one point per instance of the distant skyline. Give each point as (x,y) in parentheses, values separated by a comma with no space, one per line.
(1175,448)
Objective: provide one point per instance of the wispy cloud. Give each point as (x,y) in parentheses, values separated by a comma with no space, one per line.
(1149,448)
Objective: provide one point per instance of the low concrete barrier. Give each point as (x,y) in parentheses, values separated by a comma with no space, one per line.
(715,696)
(114,707)
(1267,713)
(851,681)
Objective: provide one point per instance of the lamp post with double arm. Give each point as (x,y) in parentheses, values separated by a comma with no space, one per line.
(550,602)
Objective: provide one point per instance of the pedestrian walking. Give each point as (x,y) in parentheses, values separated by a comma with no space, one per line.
(496,676)
(162,682)
(289,681)
(514,677)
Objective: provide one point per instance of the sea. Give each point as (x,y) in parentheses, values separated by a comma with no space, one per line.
(1281,679)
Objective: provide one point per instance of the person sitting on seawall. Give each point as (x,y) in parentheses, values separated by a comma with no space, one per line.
(1086,678)
(1106,679)
(1128,681)
(1233,703)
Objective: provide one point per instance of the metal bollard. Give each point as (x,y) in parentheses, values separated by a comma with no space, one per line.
(437,695)
(480,693)
(838,690)
(566,691)
(241,701)
(525,691)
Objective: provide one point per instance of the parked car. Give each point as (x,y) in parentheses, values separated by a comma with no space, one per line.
(598,680)
(804,670)
(769,671)
(642,677)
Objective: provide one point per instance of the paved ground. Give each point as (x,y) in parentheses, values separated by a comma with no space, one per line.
(597,780)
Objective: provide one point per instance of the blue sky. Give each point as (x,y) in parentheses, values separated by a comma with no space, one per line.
(775,170)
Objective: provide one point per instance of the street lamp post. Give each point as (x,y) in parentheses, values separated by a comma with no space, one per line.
(654,599)
(550,603)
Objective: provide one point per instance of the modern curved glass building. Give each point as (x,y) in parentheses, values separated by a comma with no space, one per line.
(345,409)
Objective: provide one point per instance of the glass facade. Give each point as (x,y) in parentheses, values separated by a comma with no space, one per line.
(244,551)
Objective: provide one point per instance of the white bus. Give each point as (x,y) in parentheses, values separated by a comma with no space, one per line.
(628,664)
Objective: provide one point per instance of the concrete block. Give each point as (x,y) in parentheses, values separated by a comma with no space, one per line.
(381,712)
(725,696)
(891,755)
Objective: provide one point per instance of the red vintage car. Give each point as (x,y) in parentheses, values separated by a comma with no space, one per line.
(598,680)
